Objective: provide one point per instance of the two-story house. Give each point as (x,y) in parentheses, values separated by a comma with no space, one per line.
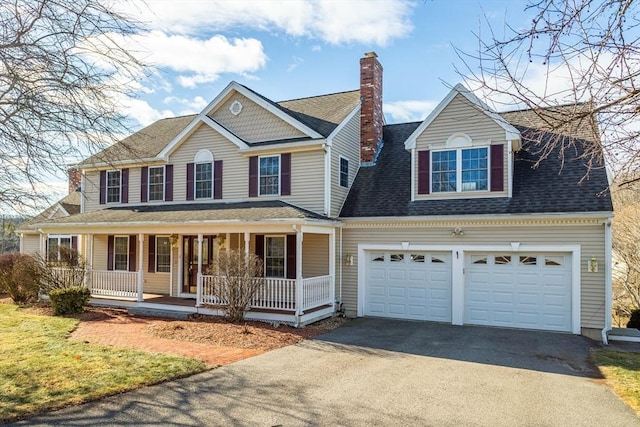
(443,220)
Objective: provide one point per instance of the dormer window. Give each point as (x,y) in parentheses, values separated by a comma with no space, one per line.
(113,186)
(463,169)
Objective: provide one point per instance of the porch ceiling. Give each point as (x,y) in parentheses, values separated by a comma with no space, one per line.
(267,211)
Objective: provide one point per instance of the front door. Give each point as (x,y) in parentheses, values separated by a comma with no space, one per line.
(190,251)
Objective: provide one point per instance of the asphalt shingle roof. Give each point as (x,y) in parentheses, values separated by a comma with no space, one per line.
(385,189)
(70,203)
(192,212)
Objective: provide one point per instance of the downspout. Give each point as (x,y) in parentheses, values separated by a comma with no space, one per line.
(607,280)
(340,279)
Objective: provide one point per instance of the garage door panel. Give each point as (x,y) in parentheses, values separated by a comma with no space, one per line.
(408,285)
(531,291)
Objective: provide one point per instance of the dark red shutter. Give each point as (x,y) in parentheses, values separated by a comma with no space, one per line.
(497,167)
(210,240)
(124,186)
(190,167)
(103,187)
(168,183)
(110,252)
(285,174)
(423,172)
(144,179)
(260,246)
(152,254)
(133,240)
(291,256)
(217,179)
(74,243)
(253,176)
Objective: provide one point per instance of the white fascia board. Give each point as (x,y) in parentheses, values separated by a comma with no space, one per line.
(315,144)
(484,217)
(114,165)
(235,86)
(355,111)
(511,133)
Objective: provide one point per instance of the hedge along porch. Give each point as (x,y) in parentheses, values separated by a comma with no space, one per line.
(177,260)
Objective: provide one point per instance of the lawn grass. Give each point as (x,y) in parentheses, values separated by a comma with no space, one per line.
(41,370)
(622,371)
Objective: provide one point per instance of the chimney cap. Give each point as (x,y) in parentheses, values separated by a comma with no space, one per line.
(370,55)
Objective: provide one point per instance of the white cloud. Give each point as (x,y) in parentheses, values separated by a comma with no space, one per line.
(333,21)
(190,106)
(408,111)
(202,61)
(142,112)
(294,63)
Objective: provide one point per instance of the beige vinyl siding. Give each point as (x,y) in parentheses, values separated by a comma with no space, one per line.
(92,190)
(315,255)
(307,181)
(589,237)
(460,116)
(99,257)
(155,283)
(254,123)
(235,167)
(346,143)
(30,243)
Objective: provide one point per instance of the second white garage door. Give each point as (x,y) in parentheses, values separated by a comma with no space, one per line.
(531,291)
(408,285)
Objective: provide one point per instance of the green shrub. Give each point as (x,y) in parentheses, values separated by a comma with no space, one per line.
(634,321)
(69,300)
(20,277)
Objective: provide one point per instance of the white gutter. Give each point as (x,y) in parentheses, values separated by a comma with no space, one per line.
(340,279)
(607,280)
(347,221)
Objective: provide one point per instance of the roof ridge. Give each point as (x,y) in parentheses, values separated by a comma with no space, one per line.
(569,104)
(318,96)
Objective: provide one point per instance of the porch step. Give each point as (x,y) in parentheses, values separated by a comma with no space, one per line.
(155,312)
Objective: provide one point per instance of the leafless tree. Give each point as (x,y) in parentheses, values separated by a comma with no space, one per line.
(577,66)
(63,74)
(239,276)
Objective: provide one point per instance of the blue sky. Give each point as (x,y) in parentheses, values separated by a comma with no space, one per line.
(297,48)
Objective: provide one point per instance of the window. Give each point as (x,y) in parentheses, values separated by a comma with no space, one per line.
(460,170)
(478,259)
(528,260)
(58,248)
(502,260)
(377,257)
(396,257)
(269,173)
(163,254)
(121,253)
(417,258)
(436,260)
(203,180)
(113,186)
(553,260)
(274,256)
(156,183)
(344,172)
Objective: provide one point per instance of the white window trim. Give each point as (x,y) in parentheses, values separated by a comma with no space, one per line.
(114,250)
(284,238)
(170,249)
(59,237)
(459,170)
(279,176)
(195,181)
(341,157)
(164,182)
(106,190)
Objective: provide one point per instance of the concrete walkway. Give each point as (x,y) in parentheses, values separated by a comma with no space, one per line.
(381,372)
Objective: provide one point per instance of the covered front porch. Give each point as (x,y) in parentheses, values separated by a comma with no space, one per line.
(155,260)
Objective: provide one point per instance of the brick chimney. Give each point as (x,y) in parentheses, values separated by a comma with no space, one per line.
(75,178)
(371,119)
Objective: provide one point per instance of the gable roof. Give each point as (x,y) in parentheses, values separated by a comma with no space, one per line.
(319,115)
(384,190)
(70,204)
(511,133)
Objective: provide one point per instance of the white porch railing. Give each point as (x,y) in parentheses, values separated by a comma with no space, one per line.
(276,293)
(316,291)
(114,283)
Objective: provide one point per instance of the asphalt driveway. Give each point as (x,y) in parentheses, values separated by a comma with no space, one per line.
(383,372)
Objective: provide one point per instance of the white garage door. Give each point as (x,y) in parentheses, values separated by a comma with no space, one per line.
(531,291)
(408,285)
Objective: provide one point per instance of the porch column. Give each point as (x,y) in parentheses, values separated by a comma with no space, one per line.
(199,282)
(180,265)
(227,242)
(299,290)
(140,270)
(88,260)
(332,266)
(43,245)
(247,241)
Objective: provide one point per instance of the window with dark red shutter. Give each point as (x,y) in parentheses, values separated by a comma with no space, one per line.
(423,172)
(217,179)
(144,180)
(497,167)
(285,174)
(253,176)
